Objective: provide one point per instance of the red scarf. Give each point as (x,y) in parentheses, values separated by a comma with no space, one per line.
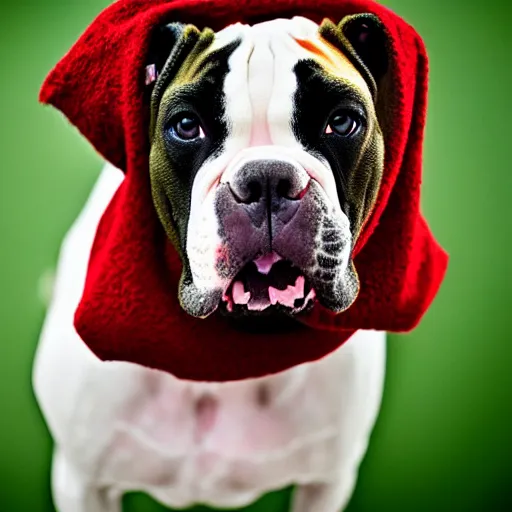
(129,309)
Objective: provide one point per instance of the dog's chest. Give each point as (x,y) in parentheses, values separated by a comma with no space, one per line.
(188,442)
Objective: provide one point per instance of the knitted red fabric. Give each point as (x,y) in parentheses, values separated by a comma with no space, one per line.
(129,309)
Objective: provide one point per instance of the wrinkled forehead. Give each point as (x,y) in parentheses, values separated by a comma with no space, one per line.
(276,46)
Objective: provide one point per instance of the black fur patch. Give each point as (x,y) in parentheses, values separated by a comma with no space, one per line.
(316,99)
(205,98)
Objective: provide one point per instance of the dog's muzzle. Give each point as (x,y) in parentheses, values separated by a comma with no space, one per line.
(265,210)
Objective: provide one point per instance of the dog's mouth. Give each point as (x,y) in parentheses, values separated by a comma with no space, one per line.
(266,284)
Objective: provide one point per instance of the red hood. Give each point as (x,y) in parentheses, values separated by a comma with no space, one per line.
(129,309)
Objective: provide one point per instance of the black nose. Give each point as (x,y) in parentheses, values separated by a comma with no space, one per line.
(266,178)
(268,188)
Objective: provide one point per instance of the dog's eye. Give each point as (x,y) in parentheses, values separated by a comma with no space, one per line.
(343,123)
(188,127)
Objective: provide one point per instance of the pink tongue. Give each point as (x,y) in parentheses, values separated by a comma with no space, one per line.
(264,263)
(287,297)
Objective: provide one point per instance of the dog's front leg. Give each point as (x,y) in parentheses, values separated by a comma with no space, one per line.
(74,492)
(326,496)
(357,371)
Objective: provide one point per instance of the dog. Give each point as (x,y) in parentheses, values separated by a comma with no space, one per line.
(265,142)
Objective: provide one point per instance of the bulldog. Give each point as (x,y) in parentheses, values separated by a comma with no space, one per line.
(266,159)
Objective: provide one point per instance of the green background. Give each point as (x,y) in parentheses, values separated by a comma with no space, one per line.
(442,441)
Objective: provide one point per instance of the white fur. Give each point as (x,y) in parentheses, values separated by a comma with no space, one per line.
(119,426)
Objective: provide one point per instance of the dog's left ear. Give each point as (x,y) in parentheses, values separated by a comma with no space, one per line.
(364,40)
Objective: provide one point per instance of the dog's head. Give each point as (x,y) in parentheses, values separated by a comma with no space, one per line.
(266,159)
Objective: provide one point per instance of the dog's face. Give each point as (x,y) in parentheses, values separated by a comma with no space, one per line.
(266,158)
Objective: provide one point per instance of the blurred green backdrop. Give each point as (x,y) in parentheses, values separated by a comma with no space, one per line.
(442,441)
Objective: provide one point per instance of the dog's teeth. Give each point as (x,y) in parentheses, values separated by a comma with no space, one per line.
(240,296)
(287,297)
(290,295)
(273,295)
(310,296)
(284,297)
(258,305)
(299,287)
(264,263)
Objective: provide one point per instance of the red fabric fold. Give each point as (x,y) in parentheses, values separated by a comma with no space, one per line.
(129,309)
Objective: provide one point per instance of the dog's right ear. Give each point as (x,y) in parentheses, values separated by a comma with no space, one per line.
(364,40)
